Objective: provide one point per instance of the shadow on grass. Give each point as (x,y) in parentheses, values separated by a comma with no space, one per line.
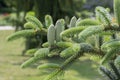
(83,67)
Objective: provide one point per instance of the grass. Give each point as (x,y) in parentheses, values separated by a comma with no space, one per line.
(11,59)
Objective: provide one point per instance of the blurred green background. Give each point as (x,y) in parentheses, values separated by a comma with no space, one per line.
(14,11)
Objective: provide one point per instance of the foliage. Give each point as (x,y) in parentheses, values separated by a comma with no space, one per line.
(114,72)
(35,30)
(77,36)
(57,9)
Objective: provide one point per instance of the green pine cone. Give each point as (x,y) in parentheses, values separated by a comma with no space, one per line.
(59,26)
(73,22)
(51,35)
